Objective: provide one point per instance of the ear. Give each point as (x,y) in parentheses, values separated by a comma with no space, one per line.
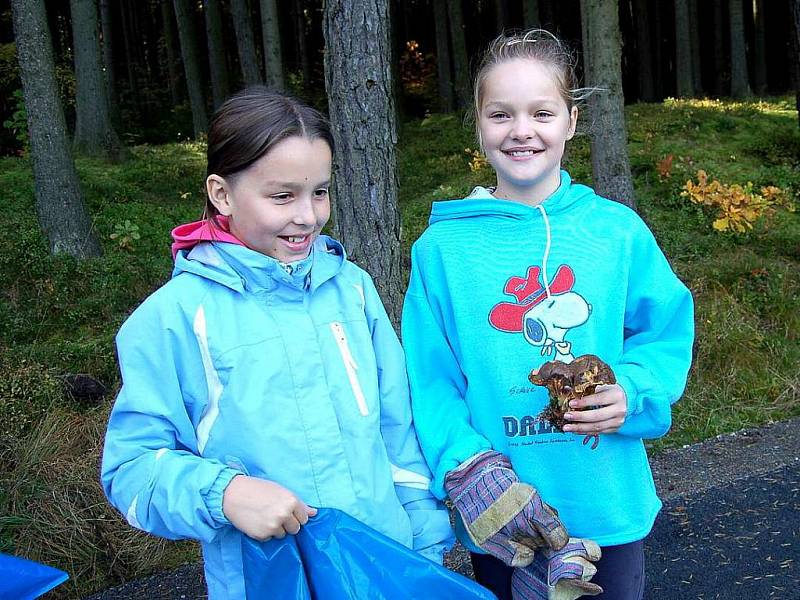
(218,191)
(573,122)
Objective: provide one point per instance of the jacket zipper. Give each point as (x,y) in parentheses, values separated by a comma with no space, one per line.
(350,366)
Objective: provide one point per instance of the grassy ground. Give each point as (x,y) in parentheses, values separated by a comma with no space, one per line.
(58,316)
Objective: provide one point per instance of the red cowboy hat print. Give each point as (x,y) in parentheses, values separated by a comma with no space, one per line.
(507,316)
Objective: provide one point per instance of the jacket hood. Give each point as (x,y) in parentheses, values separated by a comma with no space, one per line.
(188,235)
(481,203)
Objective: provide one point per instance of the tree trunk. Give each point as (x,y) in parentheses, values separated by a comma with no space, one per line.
(683,51)
(760,48)
(59,203)
(358,82)
(694,37)
(94,133)
(659,71)
(795,42)
(740,82)
(500,15)
(271,36)
(444,79)
(300,38)
(108,60)
(191,66)
(530,14)
(644,50)
(720,63)
(547,15)
(610,167)
(459,54)
(248,59)
(173,53)
(216,52)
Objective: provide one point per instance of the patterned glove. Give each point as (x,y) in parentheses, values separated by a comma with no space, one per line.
(504,517)
(559,574)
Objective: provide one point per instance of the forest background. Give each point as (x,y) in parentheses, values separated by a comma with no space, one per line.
(714,152)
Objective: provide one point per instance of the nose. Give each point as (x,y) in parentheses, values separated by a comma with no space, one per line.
(304,213)
(523,129)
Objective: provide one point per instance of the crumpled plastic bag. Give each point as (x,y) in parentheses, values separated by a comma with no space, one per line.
(24,579)
(336,557)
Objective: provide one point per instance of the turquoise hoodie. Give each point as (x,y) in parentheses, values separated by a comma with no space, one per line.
(236,367)
(497,288)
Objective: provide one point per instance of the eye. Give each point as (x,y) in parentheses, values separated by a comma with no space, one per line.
(321,193)
(498,116)
(542,114)
(281,198)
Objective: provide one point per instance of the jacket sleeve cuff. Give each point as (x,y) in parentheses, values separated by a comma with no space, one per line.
(215,494)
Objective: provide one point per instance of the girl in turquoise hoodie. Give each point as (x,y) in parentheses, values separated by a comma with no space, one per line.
(265,379)
(540,268)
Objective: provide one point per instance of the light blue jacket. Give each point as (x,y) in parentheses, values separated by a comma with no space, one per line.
(235,366)
(498,288)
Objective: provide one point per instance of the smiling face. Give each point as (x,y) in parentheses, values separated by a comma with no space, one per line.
(279,204)
(524,124)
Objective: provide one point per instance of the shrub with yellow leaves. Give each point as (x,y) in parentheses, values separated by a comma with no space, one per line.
(478,161)
(738,206)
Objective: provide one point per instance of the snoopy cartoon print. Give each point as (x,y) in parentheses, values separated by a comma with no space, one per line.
(544,314)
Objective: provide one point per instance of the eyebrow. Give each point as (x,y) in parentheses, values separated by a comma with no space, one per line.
(293,184)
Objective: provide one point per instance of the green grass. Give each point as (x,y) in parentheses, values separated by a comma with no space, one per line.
(60,316)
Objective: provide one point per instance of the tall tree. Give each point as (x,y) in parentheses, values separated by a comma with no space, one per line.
(500,15)
(459,53)
(601,41)
(359,86)
(759,48)
(216,52)
(187,33)
(59,203)
(740,82)
(720,62)
(530,13)
(248,58)
(271,36)
(444,80)
(174,71)
(683,50)
(107,28)
(694,37)
(94,132)
(644,50)
(794,20)
(300,23)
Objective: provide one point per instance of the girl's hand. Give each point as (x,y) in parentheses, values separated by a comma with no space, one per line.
(263,509)
(609,407)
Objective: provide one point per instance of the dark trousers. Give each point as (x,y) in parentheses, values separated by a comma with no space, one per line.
(620,572)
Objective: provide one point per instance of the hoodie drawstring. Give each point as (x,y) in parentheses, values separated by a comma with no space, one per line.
(546,250)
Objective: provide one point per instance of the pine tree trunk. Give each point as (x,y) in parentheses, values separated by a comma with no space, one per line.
(108,59)
(694,37)
(248,59)
(547,15)
(530,14)
(610,167)
(683,50)
(216,52)
(794,6)
(174,70)
(659,71)
(300,38)
(59,203)
(94,133)
(187,34)
(760,49)
(500,15)
(720,62)
(361,107)
(271,36)
(740,82)
(459,54)
(644,50)
(444,79)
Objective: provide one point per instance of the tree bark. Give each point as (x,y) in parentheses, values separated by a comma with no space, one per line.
(610,167)
(94,133)
(108,59)
(694,38)
(740,82)
(174,71)
(547,15)
(248,59)
(445,81)
(216,52)
(683,51)
(300,39)
(271,36)
(720,63)
(760,48)
(187,34)
(530,14)
(644,50)
(59,203)
(794,6)
(360,103)
(459,54)
(500,15)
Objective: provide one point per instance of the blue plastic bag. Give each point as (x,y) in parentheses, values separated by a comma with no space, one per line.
(23,579)
(336,557)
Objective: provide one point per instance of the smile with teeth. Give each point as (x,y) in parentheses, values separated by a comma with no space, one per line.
(521,153)
(296,239)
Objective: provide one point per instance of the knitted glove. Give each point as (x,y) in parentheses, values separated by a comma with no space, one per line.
(559,574)
(504,517)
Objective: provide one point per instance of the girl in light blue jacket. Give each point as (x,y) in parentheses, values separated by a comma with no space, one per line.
(265,379)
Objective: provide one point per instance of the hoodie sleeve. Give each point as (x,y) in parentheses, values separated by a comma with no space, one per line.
(412,478)
(151,469)
(659,333)
(437,383)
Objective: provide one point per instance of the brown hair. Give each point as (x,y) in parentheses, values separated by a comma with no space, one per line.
(250,123)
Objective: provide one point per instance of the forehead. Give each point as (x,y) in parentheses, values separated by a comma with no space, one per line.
(521,78)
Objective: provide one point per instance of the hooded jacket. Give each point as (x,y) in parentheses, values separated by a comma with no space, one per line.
(237,367)
(497,288)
